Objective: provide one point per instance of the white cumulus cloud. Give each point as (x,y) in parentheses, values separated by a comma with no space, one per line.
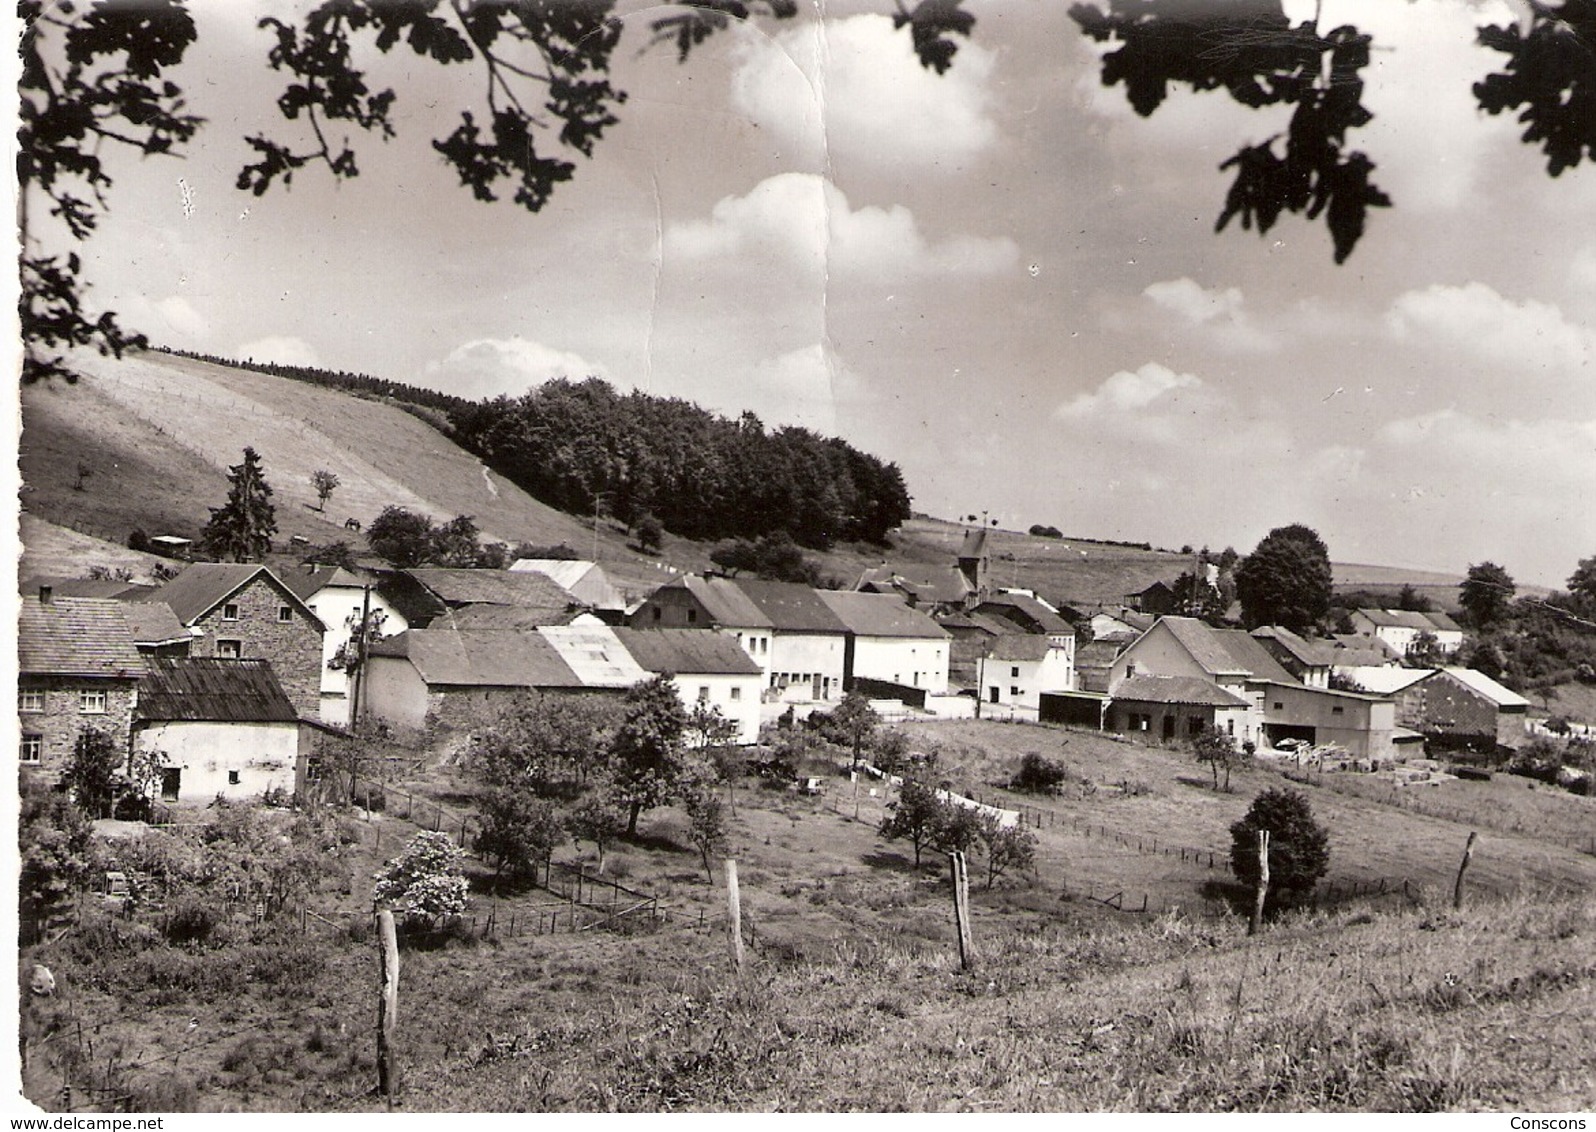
(1128,392)
(1474,319)
(1222,311)
(282,350)
(487,367)
(854,90)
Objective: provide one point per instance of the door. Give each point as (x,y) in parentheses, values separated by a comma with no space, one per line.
(992,693)
(171,781)
(1169,727)
(817,692)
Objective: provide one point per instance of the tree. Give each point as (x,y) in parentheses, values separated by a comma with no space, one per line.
(853,722)
(425,883)
(774,556)
(1198,597)
(706,822)
(337,553)
(455,543)
(519,830)
(1485,594)
(959,830)
(646,754)
(1424,652)
(58,852)
(324,483)
(92,775)
(550,743)
(715,737)
(650,533)
(1039,774)
(918,816)
(1412,600)
(1219,751)
(1582,583)
(242,528)
(1286,580)
(1299,848)
(597,817)
(401,537)
(1007,847)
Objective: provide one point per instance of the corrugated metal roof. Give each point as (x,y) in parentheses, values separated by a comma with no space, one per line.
(76,636)
(1485,686)
(1385,679)
(499,587)
(205,585)
(692,651)
(595,654)
(880,615)
(1175,690)
(792,608)
(214,690)
(480,658)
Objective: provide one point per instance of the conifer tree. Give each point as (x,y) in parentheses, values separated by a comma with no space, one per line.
(242,529)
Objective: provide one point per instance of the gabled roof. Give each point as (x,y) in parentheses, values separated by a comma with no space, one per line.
(1485,686)
(976,622)
(458,586)
(791,608)
(1312,654)
(1386,679)
(1412,619)
(726,604)
(1352,649)
(1026,608)
(82,587)
(595,654)
(210,689)
(974,544)
(205,585)
(688,652)
(486,616)
(1020,646)
(880,615)
(1250,654)
(932,585)
(76,636)
(1198,639)
(1175,690)
(480,658)
(1097,654)
(308,581)
(1443,621)
(585,581)
(154,623)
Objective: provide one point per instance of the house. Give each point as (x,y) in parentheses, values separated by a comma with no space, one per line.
(84,587)
(449,673)
(934,590)
(585,581)
(707,668)
(1093,661)
(1026,612)
(1309,662)
(242,610)
(1401,628)
(888,641)
(1353,651)
(156,630)
(595,654)
(693,602)
(1158,599)
(425,593)
(1460,707)
(341,599)
(1169,707)
(1019,667)
(971,636)
(808,642)
(222,728)
(77,668)
(1122,625)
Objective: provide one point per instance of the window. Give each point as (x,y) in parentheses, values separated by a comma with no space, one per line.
(1014,690)
(764,644)
(91,702)
(736,694)
(656,612)
(1338,710)
(1014,672)
(692,616)
(230,611)
(703,693)
(1280,707)
(285,613)
(30,699)
(232,778)
(32,748)
(1130,670)
(229,650)
(1194,725)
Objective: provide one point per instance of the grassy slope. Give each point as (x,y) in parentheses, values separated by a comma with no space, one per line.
(854,999)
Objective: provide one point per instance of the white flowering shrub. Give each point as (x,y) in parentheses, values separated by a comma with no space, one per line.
(425,882)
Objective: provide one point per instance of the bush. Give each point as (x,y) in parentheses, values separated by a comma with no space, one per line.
(1040,775)
(1299,848)
(193,921)
(425,883)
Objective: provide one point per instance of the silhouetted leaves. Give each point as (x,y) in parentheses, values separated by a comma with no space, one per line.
(932,24)
(1551,73)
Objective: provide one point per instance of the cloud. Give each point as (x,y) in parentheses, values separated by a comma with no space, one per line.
(284,351)
(487,367)
(169,321)
(801,387)
(853,90)
(1475,320)
(806,223)
(1221,312)
(1128,395)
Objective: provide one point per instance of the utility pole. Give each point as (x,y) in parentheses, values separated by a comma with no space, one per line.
(360,655)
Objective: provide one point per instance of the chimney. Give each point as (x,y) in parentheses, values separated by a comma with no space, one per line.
(46,595)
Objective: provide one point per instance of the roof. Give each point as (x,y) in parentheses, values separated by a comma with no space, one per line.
(932,585)
(1028,607)
(980,622)
(1020,646)
(1097,654)
(723,600)
(462,586)
(1249,652)
(880,615)
(974,545)
(211,689)
(585,581)
(480,658)
(1427,622)
(76,636)
(1175,690)
(154,623)
(82,587)
(1385,679)
(486,616)
(595,654)
(1198,639)
(310,580)
(1443,621)
(205,585)
(1314,654)
(1352,649)
(791,607)
(694,651)
(1485,686)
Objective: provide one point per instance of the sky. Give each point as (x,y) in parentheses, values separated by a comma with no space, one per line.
(1001,278)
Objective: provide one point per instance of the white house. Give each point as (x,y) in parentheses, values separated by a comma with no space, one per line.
(223,727)
(1019,667)
(692,602)
(808,642)
(1401,628)
(339,598)
(891,642)
(707,668)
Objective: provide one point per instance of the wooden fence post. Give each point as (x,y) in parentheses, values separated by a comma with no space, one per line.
(1263,883)
(734,914)
(387,1003)
(1457,889)
(961,909)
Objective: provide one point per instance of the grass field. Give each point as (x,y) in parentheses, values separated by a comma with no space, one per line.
(853,998)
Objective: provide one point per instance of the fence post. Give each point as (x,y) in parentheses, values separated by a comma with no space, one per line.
(961,909)
(387,1003)
(1457,889)
(734,914)
(1263,883)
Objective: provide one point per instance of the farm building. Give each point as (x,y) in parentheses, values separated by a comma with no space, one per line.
(888,641)
(706,667)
